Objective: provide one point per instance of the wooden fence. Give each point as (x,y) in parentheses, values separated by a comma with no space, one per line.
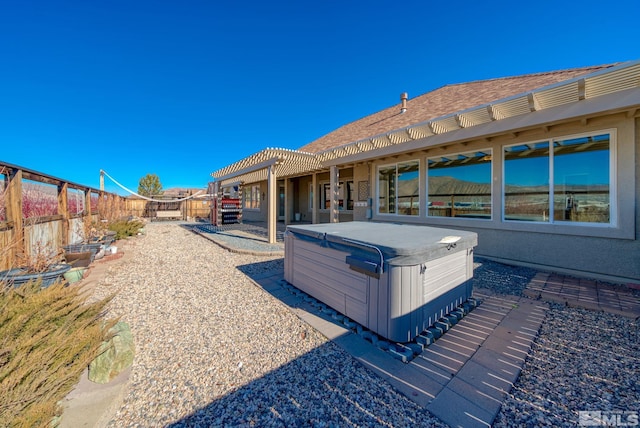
(190,209)
(41,211)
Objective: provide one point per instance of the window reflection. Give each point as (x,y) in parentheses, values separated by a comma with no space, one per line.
(399,188)
(387,190)
(460,185)
(581,179)
(409,188)
(576,172)
(252,197)
(526,182)
(345,195)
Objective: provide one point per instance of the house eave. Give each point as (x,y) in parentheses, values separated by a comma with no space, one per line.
(627,100)
(603,92)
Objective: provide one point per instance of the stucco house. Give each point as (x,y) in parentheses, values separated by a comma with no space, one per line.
(543,167)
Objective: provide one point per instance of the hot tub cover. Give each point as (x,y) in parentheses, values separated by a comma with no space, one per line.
(399,244)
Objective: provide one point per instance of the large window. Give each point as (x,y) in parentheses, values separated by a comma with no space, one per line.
(398,188)
(252,197)
(581,177)
(560,180)
(526,182)
(459,185)
(345,195)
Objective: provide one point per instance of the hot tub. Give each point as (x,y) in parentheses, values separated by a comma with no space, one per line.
(396,280)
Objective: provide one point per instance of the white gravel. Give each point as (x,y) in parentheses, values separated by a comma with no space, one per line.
(213,349)
(581,361)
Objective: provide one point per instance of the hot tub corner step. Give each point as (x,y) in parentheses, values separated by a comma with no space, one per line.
(416,347)
(401,352)
(443,325)
(458,313)
(474,302)
(452,319)
(436,332)
(349,324)
(426,338)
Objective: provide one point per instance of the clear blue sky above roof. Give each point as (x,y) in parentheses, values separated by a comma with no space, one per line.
(183,89)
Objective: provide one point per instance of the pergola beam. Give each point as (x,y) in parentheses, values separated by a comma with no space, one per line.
(249,169)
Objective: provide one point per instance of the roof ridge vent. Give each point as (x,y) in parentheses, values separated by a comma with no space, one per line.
(403,98)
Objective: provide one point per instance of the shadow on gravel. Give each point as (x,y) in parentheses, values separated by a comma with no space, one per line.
(501,278)
(326,386)
(323,387)
(257,270)
(251,231)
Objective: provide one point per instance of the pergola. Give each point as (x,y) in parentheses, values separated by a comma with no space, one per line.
(268,165)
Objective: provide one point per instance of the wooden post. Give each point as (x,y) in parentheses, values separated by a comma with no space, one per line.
(285,202)
(122,205)
(13,206)
(63,209)
(272,193)
(101,206)
(87,218)
(453,210)
(218,203)
(111,207)
(314,198)
(87,203)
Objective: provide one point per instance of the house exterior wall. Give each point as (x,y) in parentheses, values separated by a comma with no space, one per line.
(607,251)
(610,252)
(363,196)
(253,214)
(302,198)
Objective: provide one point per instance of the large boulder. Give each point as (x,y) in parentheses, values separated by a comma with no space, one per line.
(116,355)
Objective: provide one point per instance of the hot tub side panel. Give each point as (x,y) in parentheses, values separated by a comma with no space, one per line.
(322,273)
(419,295)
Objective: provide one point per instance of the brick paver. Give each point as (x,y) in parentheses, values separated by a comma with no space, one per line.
(584,293)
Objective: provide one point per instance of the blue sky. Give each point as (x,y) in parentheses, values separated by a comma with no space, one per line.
(181,89)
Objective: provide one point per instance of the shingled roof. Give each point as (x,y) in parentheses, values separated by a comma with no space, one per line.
(461,111)
(440,102)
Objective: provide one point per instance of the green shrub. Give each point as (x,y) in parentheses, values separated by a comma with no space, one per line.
(47,338)
(125,228)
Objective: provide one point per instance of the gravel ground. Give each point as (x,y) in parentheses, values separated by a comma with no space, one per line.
(499,278)
(212,349)
(581,360)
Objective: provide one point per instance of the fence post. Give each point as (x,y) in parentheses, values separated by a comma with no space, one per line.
(87,203)
(13,206)
(63,209)
(101,206)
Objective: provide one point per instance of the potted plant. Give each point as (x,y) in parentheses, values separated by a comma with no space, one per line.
(82,252)
(41,263)
(90,247)
(99,233)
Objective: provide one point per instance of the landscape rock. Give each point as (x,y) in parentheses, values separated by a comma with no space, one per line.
(117,355)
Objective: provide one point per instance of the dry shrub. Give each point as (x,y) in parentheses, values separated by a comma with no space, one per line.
(126,228)
(38,259)
(47,338)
